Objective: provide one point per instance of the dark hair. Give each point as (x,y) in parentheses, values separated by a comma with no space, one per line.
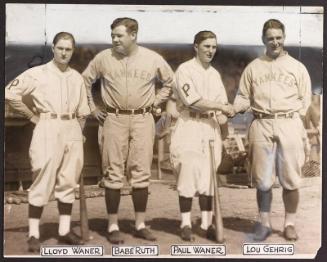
(63,35)
(272,23)
(203,35)
(130,24)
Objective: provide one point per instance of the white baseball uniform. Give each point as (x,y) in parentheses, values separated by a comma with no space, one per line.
(56,149)
(277,91)
(189,149)
(128,83)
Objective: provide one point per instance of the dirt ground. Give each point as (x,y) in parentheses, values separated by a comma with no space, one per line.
(238,208)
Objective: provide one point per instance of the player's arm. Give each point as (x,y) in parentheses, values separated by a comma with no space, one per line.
(83,109)
(90,75)
(190,97)
(166,76)
(242,99)
(304,89)
(14,92)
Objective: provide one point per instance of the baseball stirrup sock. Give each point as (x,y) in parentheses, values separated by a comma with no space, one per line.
(140,199)
(34,211)
(112,197)
(291,200)
(264,199)
(185,204)
(186,219)
(205,203)
(65,208)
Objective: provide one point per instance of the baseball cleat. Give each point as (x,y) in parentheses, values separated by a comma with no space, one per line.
(261,232)
(33,244)
(186,233)
(145,234)
(114,237)
(290,233)
(70,239)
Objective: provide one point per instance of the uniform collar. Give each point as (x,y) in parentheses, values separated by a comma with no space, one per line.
(285,53)
(56,70)
(197,64)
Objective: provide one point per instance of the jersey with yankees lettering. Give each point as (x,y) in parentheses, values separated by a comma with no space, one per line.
(129,82)
(281,89)
(189,149)
(57,142)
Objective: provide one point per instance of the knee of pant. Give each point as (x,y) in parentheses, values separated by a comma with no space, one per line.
(264,186)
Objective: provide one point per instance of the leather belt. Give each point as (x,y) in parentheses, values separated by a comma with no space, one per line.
(202,115)
(128,111)
(62,116)
(274,116)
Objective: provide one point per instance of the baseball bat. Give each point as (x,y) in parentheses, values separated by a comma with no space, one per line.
(218,216)
(83,212)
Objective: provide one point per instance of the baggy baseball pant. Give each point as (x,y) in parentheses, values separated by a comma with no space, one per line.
(127,144)
(277,147)
(190,154)
(56,154)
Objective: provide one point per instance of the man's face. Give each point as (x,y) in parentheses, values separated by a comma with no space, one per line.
(122,41)
(274,42)
(205,51)
(63,51)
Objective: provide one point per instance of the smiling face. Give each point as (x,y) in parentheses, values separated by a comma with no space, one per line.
(123,41)
(63,51)
(206,50)
(274,41)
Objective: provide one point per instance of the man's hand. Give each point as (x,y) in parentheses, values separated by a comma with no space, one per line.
(99,115)
(228,110)
(221,119)
(34,119)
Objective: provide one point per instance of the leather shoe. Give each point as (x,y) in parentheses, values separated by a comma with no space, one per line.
(70,239)
(145,234)
(261,232)
(290,233)
(114,237)
(33,244)
(186,233)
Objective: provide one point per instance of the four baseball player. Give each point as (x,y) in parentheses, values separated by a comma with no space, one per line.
(275,87)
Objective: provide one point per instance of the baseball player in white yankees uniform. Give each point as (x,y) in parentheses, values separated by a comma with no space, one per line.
(128,74)
(277,88)
(201,100)
(56,150)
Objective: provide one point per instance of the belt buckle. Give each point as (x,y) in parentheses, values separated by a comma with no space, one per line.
(132,111)
(144,111)
(117,112)
(65,117)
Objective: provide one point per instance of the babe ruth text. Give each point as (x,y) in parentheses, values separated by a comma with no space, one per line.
(72,251)
(268,249)
(198,250)
(135,250)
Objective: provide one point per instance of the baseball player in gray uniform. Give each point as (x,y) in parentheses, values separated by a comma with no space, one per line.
(277,88)
(128,74)
(201,100)
(56,150)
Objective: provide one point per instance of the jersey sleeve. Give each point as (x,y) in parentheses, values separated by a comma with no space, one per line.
(242,99)
(304,87)
(83,109)
(90,75)
(166,76)
(22,85)
(185,87)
